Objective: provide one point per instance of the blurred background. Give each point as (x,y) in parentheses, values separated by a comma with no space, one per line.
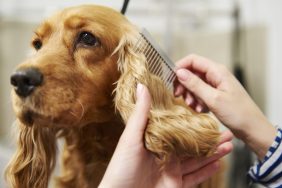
(246,36)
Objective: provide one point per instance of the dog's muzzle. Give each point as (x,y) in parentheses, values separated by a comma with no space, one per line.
(26,80)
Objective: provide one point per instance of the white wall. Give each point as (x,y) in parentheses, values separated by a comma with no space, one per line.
(273,14)
(269,13)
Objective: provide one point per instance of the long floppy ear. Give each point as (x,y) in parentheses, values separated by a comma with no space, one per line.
(172,128)
(35,158)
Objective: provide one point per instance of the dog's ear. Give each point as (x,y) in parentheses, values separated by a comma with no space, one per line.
(172,128)
(127,56)
(35,158)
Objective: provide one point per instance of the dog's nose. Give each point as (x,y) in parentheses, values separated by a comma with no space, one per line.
(26,80)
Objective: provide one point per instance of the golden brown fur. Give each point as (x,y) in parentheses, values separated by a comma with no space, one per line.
(172,128)
(76,98)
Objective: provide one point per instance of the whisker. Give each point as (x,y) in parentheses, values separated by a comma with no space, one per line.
(74,114)
(83,110)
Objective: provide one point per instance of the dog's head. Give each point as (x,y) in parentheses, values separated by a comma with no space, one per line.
(67,83)
(69,79)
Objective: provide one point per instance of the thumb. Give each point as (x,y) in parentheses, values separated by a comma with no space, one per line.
(137,122)
(196,85)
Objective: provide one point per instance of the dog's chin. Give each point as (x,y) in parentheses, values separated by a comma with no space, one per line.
(27,118)
(30,118)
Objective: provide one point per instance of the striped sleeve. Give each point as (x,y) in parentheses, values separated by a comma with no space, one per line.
(268,172)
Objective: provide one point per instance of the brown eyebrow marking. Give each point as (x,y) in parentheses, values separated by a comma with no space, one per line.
(75,22)
(44,30)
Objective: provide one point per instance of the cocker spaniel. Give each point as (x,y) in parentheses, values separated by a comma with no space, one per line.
(80,85)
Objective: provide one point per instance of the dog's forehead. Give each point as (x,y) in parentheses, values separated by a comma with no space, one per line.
(80,16)
(44,29)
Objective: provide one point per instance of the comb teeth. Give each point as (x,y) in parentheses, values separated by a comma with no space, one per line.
(158,62)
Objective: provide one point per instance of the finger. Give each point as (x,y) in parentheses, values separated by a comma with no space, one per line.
(194,102)
(137,122)
(189,98)
(224,147)
(225,136)
(197,86)
(211,71)
(196,63)
(192,164)
(199,176)
(222,150)
(200,106)
(178,89)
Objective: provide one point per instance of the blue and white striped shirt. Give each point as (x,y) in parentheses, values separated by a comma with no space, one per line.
(268,172)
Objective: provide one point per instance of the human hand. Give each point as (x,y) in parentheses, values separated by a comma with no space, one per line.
(206,84)
(134,166)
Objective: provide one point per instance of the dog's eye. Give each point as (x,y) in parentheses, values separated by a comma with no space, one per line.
(37,44)
(86,38)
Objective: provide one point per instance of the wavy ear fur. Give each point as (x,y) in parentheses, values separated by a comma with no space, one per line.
(172,128)
(35,158)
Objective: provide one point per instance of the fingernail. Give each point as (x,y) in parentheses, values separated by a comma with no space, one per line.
(140,88)
(189,101)
(183,74)
(199,108)
(177,91)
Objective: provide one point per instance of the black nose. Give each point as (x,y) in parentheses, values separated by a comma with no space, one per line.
(26,80)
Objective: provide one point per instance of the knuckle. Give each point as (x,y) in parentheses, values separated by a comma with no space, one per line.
(215,99)
(222,68)
(192,56)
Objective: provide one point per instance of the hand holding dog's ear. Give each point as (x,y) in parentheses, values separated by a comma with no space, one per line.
(137,122)
(134,166)
(127,164)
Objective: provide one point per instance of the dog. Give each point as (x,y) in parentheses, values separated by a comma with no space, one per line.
(65,90)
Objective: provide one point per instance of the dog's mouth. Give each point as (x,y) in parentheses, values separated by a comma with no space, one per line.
(31,118)
(30,112)
(27,113)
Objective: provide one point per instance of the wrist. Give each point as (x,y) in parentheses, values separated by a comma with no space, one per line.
(258,134)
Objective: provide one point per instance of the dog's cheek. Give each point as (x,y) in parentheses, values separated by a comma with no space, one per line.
(57,99)
(106,74)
